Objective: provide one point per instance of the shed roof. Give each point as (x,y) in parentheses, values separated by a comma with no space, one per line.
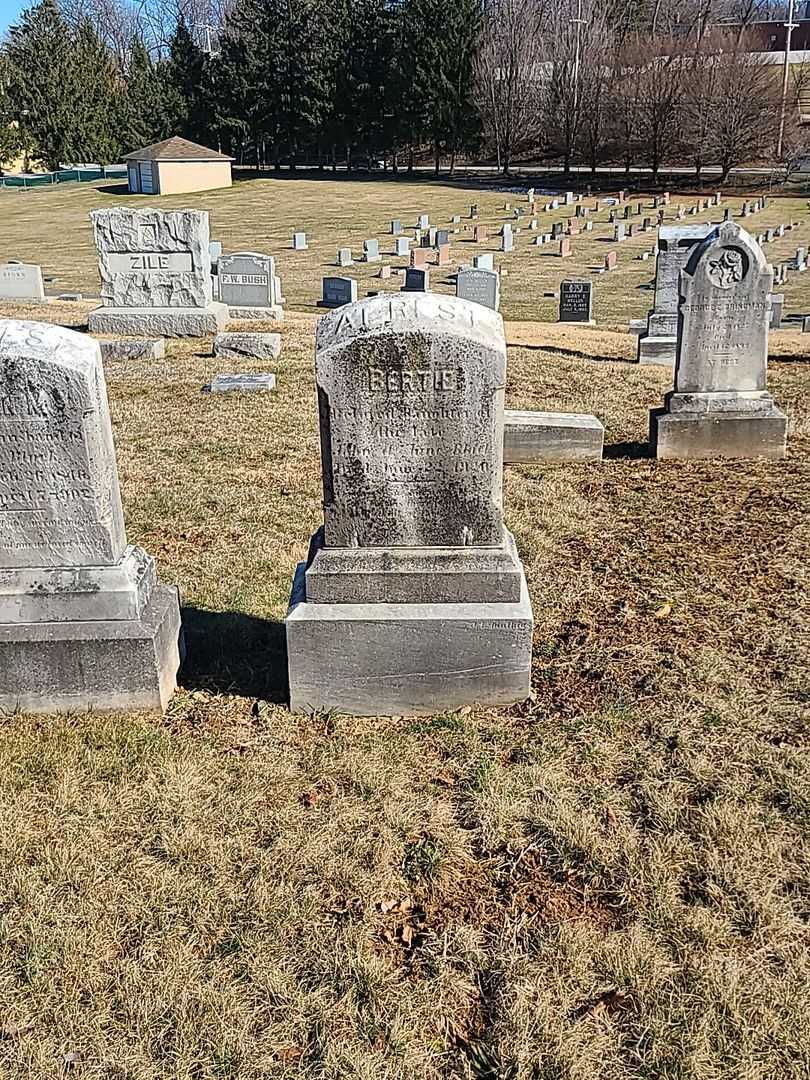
(176,149)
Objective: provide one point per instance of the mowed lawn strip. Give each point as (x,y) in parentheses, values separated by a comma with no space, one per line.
(607,882)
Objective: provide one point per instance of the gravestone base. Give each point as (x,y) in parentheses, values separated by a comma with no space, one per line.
(657,350)
(274,313)
(394,659)
(160,322)
(115,665)
(726,435)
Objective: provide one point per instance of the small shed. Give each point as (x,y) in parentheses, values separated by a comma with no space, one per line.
(176,166)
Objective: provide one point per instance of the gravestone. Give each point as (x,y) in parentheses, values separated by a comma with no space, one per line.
(480,287)
(611,261)
(618,233)
(576,301)
(337,291)
(413,598)
(556,230)
(396,227)
(249,383)
(720,406)
(442,254)
(416,280)
(484,262)
(777,307)
(247,285)
(344,257)
(241,346)
(507,239)
(565,248)
(424,221)
(419,258)
(371,251)
(480,234)
(300,241)
(530,438)
(442,238)
(21,282)
(83,621)
(675,245)
(403,246)
(155,272)
(132,349)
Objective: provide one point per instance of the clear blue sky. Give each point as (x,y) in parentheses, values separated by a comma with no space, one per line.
(9,10)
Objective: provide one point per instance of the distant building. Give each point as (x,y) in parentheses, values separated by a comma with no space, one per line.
(176,166)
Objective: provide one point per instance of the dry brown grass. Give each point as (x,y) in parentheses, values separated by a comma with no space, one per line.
(51,227)
(608,882)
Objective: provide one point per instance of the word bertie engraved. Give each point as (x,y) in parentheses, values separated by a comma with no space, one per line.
(403,381)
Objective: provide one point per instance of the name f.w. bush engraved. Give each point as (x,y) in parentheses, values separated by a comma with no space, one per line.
(411,400)
(59,498)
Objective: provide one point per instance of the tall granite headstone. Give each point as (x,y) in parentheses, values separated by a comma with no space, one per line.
(413,598)
(720,406)
(83,621)
(675,245)
(155,269)
(247,284)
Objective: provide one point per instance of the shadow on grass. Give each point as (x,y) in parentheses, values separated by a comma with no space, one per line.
(631,451)
(232,653)
(115,189)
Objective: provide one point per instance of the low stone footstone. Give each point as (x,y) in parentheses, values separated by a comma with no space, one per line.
(249,286)
(249,383)
(127,349)
(240,346)
(531,437)
(480,287)
(338,291)
(720,406)
(21,282)
(413,598)
(155,270)
(83,622)
(675,245)
(576,301)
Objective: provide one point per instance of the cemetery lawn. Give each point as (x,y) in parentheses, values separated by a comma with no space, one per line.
(51,227)
(607,882)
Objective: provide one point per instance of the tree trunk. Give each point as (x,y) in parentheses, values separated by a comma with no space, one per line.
(437,157)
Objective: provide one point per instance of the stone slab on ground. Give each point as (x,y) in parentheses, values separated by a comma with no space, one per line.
(393,659)
(689,435)
(246,384)
(548,436)
(132,349)
(235,346)
(657,350)
(117,664)
(273,313)
(159,322)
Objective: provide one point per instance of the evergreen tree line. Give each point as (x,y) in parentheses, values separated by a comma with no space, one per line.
(386,83)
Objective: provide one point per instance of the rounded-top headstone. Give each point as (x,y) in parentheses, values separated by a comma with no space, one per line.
(411,394)
(60,503)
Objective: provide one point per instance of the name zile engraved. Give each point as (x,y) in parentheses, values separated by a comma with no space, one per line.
(151,262)
(401,381)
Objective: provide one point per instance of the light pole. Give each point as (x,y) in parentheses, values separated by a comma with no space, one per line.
(789,26)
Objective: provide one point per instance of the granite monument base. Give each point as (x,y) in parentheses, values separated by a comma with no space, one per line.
(657,350)
(160,322)
(393,659)
(720,435)
(114,664)
(274,313)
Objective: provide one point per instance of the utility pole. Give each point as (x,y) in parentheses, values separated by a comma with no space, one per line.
(790,26)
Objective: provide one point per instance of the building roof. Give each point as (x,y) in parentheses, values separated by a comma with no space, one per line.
(176,149)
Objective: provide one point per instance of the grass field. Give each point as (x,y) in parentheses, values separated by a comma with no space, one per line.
(51,227)
(610,881)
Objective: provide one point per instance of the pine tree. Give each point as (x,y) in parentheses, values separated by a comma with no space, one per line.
(189,73)
(152,107)
(98,103)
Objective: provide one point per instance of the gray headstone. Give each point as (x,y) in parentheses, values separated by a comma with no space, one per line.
(396,227)
(344,257)
(479,286)
(576,301)
(424,221)
(484,262)
(247,279)
(21,281)
(338,291)
(300,241)
(371,251)
(233,346)
(675,245)
(403,246)
(720,406)
(83,623)
(128,349)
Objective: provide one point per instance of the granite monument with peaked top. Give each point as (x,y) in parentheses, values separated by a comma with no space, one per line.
(720,406)
(84,623)
(155,268)
(675,245)
(413,598)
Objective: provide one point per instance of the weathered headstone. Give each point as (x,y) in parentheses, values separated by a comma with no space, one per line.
(234,346)
(413,599)
(419,258)
(480,234)
(533,437)
(576,301)
(675,245)
(21,282)
(133,349)
(247,284)
(507,240)
(337,291)
(618,233)
(720,406)
(155,272)
(83,621)
(480,287)
(442,254)
(247,383)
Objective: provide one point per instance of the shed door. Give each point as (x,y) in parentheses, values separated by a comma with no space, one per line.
(147,177)
(134,177)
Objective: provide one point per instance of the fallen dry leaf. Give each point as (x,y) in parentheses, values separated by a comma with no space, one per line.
(309,799)
(663,611)
(289,1053)
(447,779)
